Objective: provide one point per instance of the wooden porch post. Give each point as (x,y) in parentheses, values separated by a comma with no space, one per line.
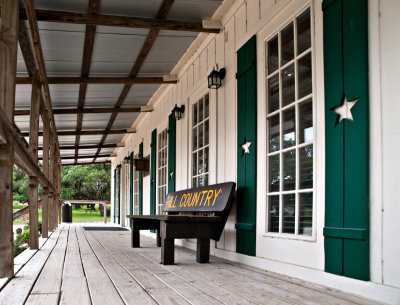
(45,190)
(8,65)
(33,146)
(50,177)
(59,189)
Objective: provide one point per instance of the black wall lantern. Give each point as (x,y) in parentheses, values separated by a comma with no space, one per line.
(177,112)
(126,160)
(215,78)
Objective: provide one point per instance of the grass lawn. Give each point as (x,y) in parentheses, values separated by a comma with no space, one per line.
(79,215)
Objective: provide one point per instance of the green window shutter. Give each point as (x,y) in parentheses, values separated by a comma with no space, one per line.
(347,147)
(141,181)
(131,183)
(119,194)
(171,153)
(246,163)
(115,192)
(153,171)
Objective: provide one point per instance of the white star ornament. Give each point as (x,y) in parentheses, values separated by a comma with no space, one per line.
(245,147)
(344,110)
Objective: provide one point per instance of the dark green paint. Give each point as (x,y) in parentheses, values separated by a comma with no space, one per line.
(347,145)
(246,163)
(153,171)
(171,153)
(115,192)
(119,193)
(131,183)
(141,181)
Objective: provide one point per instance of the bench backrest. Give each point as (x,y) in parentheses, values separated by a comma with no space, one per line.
(216,198)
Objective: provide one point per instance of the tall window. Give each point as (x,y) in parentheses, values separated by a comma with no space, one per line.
(135,190)
(200,142)
(290,128)
(162,169)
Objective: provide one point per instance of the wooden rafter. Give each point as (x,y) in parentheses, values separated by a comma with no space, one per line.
(86,61)
(87,146)
(118,21)
(86,163)
(151,37)
(84,133)
(31,16)
(59,111)
(98,80)
(82,157)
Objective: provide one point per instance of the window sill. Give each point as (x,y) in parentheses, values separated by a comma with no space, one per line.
(306,238)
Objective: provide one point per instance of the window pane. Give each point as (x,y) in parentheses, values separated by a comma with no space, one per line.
(305,221)
(287,47)
(200,181)
(289,170)
(194,164)
(206,160)
(272,55)
(303,32)
(205,180)
(273,170)
(273,130)
(200,169)
(194,182)
(289,128)
(306,122)
(273,214)
(288,86)
(306,167)
(273,93)
(206,132)
(206,106)
(288,219)
(194,138)
(194,114)
(201,138)
(304,77)
(201,112)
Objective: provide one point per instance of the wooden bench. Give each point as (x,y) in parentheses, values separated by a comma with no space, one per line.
(215,200)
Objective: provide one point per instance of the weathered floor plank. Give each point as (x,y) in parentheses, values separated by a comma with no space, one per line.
(74,288)
(18,289)
(77,266)
(102,290)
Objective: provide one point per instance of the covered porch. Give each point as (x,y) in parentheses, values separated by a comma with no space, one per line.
(94,264)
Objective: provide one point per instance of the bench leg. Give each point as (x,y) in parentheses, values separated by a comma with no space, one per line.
(135,238)
(203,250)
(167,251)
(158,238)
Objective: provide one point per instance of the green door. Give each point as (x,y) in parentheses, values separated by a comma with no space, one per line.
(171,153)
(140,181)
(153,170)
(119,193)
(346,196)
(131,183)
(247,148)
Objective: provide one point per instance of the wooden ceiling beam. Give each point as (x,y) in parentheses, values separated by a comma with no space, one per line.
(86,146)
(84,132)
(97,80)
(90,34)
(33,26)
(59,111)
(151,37)
(86,163)
(82,157)
(118,21)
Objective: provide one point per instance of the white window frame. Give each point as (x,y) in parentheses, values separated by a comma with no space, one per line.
(191,127)
(159,204)
(135,189)
(265,35)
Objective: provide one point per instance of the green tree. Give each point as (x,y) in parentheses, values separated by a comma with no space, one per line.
(20,185)
(85,182)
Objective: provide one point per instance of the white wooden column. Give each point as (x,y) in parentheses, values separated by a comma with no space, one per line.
(8,65)
(33,146)
(45,190)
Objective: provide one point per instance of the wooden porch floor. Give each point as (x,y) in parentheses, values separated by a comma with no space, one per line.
(78,266)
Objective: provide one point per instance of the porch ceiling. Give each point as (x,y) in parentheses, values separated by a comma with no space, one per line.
(74,51)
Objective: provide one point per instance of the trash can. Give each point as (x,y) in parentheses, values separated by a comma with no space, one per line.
(67,212)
